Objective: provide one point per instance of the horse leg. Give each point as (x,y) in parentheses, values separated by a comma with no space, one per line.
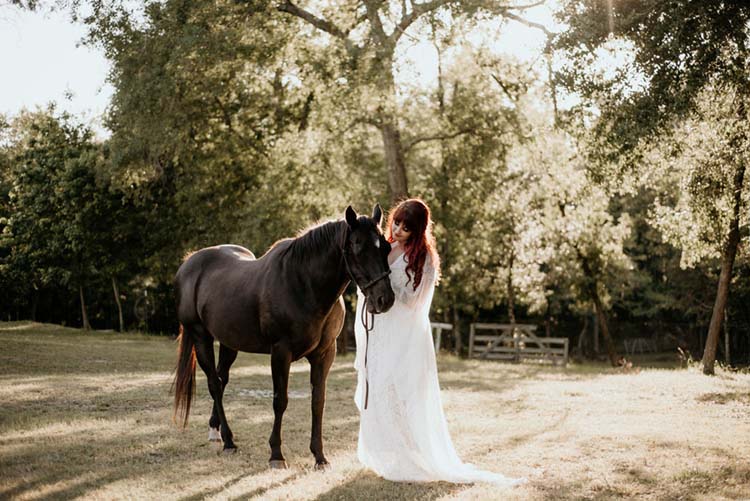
(281,359)
(320,364)
(204,352)
(227,356)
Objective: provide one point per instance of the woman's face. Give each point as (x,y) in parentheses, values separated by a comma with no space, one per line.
(400,232)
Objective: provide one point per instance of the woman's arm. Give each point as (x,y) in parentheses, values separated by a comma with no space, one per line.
(411,298)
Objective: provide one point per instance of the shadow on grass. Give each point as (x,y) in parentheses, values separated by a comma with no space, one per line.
(213,491)
(724,398)
(725,482)
(518,440)
(72,470)
(631,480)
(368,485)
(66,439)
(72,467)
(72,402)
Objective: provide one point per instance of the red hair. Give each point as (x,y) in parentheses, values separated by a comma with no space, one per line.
(416,216)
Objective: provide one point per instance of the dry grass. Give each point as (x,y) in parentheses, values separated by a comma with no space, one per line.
(88,415)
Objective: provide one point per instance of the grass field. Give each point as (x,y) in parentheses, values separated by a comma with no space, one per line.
(89,415)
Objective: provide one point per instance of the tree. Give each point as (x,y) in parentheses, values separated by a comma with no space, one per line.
(581,244)
(679,49)
(66,227)
(44,242)
(365,38)
(462,172)
(195,150)
(704,161)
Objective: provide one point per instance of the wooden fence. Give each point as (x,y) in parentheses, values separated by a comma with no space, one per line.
(437,332)
(515,342)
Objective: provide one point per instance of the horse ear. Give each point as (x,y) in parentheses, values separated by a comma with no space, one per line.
(351,217)
(377,213)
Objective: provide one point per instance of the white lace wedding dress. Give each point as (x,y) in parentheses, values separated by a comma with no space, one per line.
(403,435)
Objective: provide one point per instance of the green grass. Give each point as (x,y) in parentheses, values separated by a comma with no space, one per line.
(88,415)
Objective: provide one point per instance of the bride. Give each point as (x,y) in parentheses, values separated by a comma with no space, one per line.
(403,435)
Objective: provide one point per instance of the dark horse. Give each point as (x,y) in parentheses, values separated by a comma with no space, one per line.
(287,303)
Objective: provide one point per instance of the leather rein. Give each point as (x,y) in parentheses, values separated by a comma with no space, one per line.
(367,322)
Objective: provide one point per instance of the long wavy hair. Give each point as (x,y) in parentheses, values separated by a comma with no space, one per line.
(416,216)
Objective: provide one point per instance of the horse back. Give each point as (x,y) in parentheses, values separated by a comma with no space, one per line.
(218,290)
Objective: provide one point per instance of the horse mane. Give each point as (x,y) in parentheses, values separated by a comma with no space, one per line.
(316,239)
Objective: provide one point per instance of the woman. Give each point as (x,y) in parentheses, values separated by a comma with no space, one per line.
(403,434)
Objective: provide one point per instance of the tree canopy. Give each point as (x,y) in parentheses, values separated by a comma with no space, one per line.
(244,122)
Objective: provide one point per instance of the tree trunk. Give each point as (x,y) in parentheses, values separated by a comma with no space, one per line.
(602,318)
(725,277)
(84,316)
(511,295)
(394,159)
(119,305)
(727,351)
(457,329)
(387,118)
(582,335)
(595,342)
(599,309)
(34,304)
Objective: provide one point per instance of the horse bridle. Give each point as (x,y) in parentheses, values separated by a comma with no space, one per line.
(367,323)
(363,288)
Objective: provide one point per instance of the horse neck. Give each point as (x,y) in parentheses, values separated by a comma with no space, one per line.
(324,263)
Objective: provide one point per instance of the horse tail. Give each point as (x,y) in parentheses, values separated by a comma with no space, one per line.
(183,385)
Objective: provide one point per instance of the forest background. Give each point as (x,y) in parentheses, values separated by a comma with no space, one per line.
(599,190)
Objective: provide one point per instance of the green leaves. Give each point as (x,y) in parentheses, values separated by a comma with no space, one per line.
(679,46)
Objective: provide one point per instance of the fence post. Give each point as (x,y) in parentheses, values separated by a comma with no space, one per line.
(471,340)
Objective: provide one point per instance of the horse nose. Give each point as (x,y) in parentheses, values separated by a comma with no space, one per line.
(381,303)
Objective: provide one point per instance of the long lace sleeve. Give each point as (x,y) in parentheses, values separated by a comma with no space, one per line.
(411,298)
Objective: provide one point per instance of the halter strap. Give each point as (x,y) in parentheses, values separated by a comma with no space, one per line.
(351,274)
(375,280)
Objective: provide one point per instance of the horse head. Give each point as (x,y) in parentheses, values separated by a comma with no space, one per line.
(366,255)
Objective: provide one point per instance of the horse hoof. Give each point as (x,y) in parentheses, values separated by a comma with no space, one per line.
(323,466)
(278,464)
(214,435)
(228,451)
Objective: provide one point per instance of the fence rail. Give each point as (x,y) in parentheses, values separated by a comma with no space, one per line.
(515,342)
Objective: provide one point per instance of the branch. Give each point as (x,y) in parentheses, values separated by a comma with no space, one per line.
(418,9)
(438,137)
(375,21)
(361,120)
(327,26)
(528,23)
(512,115)
(359,20)
(527,6)
(513,98)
